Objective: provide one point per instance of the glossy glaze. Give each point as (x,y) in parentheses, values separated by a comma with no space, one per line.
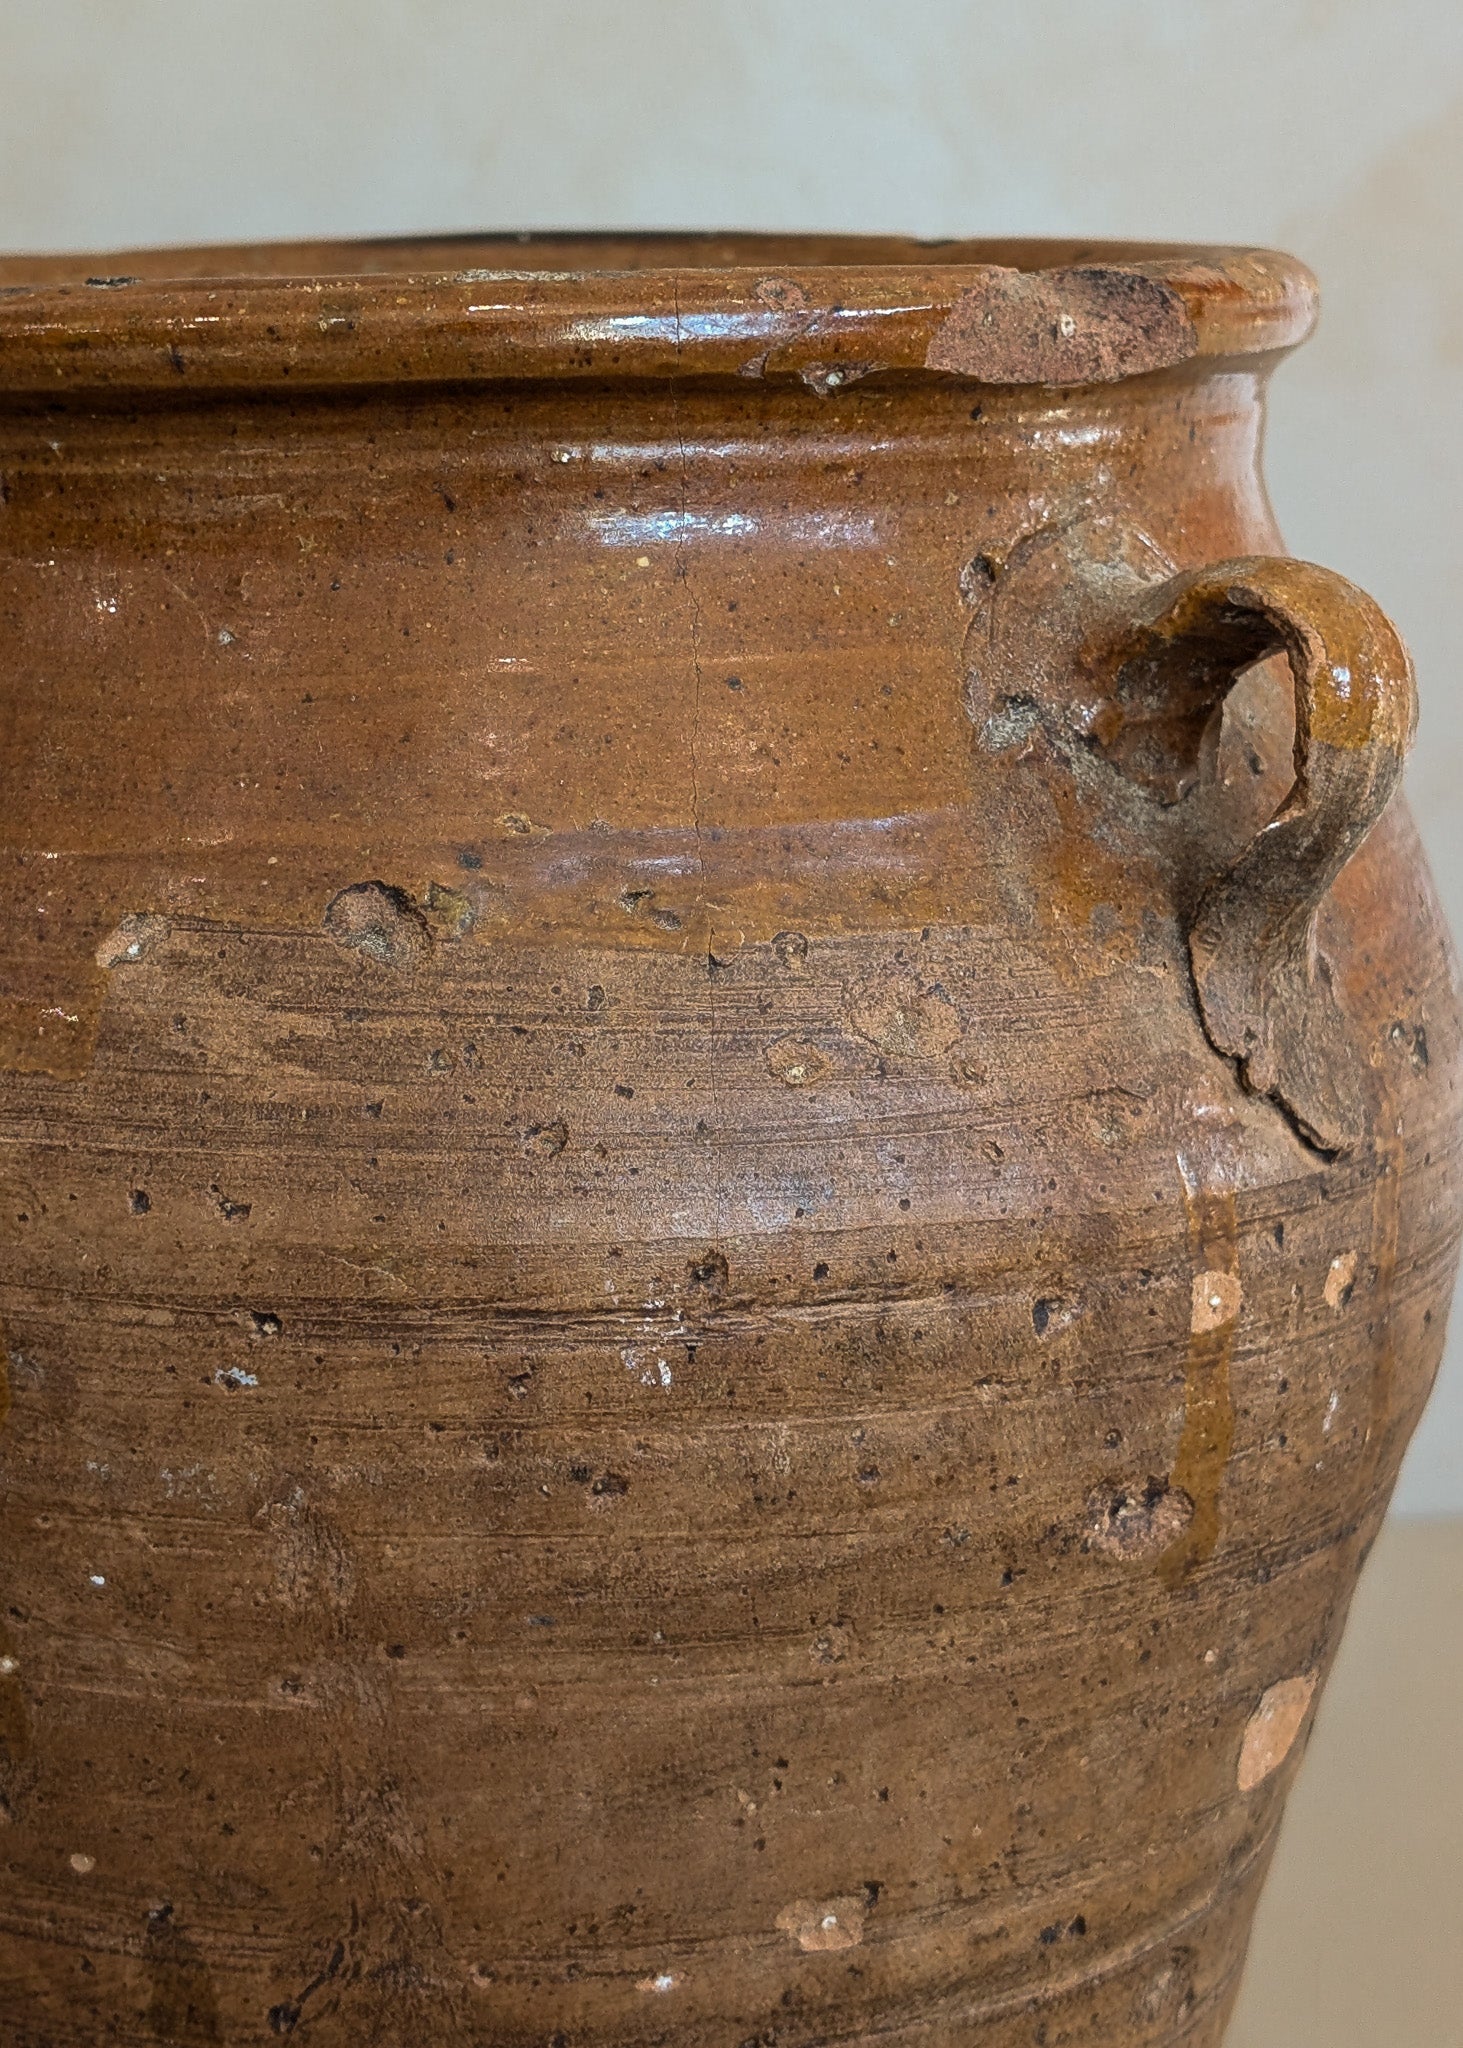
(661,1388)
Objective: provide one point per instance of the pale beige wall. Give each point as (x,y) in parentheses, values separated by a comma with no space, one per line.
(1333,127)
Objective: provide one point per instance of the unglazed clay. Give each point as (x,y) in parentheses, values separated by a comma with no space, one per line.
(729,1141)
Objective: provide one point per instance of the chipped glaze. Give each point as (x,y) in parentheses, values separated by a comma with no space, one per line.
(1271,1731)
(727,1141)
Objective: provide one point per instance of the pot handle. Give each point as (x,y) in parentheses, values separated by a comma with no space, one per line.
(1264,988)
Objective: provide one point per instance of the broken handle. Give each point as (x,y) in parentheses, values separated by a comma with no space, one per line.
(1264,989)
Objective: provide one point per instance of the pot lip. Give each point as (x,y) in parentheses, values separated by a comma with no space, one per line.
(830,309)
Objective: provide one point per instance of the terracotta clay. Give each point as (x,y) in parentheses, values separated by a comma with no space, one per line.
(729,1141)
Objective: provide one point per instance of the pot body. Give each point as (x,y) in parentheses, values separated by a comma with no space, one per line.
(660,1390)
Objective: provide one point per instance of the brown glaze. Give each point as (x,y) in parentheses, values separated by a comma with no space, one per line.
(713,1270)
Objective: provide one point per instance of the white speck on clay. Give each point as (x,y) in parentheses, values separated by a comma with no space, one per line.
(7,1666)
(1331,1406)
(822,1924)
(132,939)
(184,1478)
(796,1062)
(1271,1730)
(234,1376)
(1216,1301)
(83,1865)
(650,1371)
(1340,1279)
(97,1579)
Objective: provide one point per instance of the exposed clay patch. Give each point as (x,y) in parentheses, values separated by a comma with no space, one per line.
(132,940)
(967,1064)
(1411,1040)
(1340,1280)
(797,1062)
(1271,1730)
(642,903)
(828,377)
(379,921)
(825,1923)
(449,913)
(1083,326)
(905,1020)
(1010,725)
(785,293)
(1131,1525)
(833,1644)
(1216,1301)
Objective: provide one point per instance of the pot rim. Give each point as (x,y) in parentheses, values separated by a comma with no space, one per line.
(830,309)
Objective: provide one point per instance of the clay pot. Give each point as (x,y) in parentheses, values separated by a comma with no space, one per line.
(730,1128)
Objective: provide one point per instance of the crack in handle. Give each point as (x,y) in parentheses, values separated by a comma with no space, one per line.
(1264,987)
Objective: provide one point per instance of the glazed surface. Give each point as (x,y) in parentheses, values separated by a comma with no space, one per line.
(660,1389)
(479,308)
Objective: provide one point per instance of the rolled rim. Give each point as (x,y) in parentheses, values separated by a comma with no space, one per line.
(830,309)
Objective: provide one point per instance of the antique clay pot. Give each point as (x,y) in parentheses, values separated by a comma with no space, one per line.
(729,1141)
